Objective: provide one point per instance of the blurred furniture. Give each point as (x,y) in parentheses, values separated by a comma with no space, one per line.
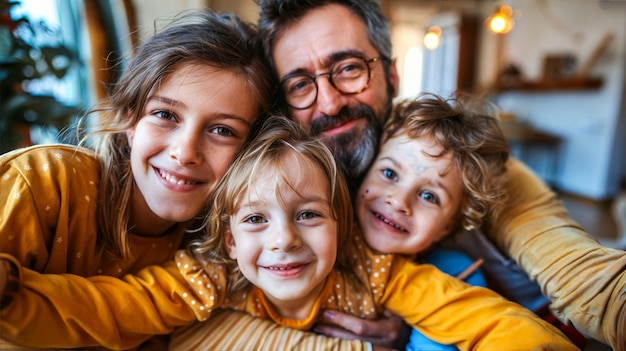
(536,148)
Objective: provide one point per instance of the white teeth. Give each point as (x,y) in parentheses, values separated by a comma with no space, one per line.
(272,268)
(172,179)
(390,223)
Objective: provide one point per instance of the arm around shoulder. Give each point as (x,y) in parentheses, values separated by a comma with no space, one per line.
(584,280)
(57,310)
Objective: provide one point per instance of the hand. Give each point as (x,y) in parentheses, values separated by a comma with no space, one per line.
(389,331)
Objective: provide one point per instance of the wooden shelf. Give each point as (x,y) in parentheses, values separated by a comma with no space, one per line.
(524,133)
(554,85)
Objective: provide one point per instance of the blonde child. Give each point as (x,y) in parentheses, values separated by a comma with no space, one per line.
(280,244)
(159,146)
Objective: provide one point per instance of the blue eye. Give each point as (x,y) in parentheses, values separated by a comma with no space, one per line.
(429,197)
(389,174)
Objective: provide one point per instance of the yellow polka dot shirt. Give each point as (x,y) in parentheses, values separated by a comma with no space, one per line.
(48,204)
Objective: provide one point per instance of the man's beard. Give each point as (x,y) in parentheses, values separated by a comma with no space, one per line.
(355,150)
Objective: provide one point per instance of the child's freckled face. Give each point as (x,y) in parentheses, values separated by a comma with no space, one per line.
(409,200)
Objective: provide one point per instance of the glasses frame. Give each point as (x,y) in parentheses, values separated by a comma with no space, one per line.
(330,79)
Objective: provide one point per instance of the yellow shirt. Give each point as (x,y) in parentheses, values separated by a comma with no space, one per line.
(48,204)
(585,281)
(159,298)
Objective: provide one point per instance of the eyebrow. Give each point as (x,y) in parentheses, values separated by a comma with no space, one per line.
(328,61)
(392,160)
(169,101)
(165,100)
(260,203)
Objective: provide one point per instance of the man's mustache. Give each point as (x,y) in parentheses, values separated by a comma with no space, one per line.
(346,114)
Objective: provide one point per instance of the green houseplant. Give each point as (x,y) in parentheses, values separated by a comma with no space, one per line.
(29,51)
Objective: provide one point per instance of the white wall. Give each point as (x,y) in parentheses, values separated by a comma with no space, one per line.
(587,121)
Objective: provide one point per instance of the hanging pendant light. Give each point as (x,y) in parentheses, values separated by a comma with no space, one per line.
(501,21)
(432,38)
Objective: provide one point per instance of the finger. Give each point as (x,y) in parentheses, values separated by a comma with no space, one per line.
(355,325)
(400,334)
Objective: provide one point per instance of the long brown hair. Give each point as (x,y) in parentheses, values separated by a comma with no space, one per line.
(222,41)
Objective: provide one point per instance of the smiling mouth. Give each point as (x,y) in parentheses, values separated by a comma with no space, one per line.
(339,128)
(173,179)
(287,270)
(284,268)
(388,222)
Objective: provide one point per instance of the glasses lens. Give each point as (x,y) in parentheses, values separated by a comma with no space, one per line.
(300,91)
(350,75)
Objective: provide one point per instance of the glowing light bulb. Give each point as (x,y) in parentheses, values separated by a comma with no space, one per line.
(498,24)
(501,21)
(432,38)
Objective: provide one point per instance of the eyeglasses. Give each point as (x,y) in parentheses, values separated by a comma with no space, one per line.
(350,75)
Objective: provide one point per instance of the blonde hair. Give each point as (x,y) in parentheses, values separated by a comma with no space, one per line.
(222,41)
(468,128)
(278,137)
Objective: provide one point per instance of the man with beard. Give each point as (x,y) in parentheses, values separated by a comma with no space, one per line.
(355,148)
(315,46)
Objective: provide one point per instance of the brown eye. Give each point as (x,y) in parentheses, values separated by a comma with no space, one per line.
(223,131)
(167,115)
(255,219)
(307,215)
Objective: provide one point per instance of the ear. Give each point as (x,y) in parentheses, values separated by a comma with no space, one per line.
(231,247)
(130,133)
(394,80)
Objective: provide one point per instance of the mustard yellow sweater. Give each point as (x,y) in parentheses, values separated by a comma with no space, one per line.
(48,204)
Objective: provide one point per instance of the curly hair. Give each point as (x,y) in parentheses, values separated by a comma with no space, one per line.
(465,127)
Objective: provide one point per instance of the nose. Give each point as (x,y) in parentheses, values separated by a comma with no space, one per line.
(284,238)
(400,201)
(185,148)
(329,100)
